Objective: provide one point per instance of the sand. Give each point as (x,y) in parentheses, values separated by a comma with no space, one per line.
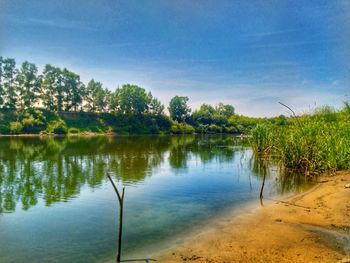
(310,227)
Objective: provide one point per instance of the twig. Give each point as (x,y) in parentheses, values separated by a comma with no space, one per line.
(121,209)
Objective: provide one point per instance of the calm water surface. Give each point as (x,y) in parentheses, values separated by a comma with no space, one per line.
(56,204)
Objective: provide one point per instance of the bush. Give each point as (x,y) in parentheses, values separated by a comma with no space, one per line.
(230,130)
(154,129)
(57,127)
(215,129)
(16,127)
(181,128)
(73,131)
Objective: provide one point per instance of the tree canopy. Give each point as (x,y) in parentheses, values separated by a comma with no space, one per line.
(60,90)
(178,108)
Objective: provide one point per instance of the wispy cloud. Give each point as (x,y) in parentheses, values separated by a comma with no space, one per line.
(46,22)
(272,33)
(293,43)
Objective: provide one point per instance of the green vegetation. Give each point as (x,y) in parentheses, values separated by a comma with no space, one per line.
(58,102)
(310,143)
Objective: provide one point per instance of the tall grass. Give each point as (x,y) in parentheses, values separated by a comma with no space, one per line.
(311,143)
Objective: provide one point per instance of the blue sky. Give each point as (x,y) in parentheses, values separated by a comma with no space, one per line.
(251,54)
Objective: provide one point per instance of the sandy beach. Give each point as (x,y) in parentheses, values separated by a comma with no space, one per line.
(313,226)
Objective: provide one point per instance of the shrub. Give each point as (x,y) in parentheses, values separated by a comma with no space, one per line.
(181,128)
(73,131)
(15,127)
(215,129)
(231,129)
(57,127)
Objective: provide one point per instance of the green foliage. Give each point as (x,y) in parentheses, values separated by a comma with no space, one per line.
(312,143)
(155,106)
(95,97)
(28,85)
(73,90)
(209,119)
(261,138)
(73,131)
(33,121)
(9,72)
(52,88)
(57,127)
(133,99)
(225,110)
(15,127)
(178,108)
(205,114)
(1,83)
(181,128)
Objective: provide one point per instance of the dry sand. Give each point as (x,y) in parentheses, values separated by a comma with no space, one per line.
(311,227)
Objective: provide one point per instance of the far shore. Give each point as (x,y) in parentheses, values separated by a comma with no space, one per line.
(84,134)
(313,226)
(90,134)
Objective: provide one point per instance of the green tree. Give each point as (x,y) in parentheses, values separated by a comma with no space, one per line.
(103,97)
(113,101)
(28,85)
(52,88)
(9,83)
(178,108)
(155,106)
(133,99)
(205,114)
(1,85)
(225,110)
(95,96)
(73,90)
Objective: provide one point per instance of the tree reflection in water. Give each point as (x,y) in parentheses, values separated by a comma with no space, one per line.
(55,169)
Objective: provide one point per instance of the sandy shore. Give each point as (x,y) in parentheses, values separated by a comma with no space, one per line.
(311,227)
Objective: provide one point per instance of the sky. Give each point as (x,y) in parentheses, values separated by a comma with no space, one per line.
(251,54)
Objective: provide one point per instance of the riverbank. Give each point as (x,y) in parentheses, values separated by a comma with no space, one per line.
(310,227)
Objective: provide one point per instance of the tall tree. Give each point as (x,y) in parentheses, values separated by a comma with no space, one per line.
(178,108)
(205,114)
(73,90)
(28,85)
(1,85)
(95,97)
(133,99)
(9,83)
(225,110)
(113,101)
(155,106)
(52,88)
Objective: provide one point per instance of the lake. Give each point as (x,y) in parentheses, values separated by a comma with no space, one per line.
(57,205)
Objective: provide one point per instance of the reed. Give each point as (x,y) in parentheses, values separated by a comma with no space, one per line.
(312,143)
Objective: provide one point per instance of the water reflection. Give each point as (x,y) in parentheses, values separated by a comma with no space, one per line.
(55,169)
(285,181)
(174,184)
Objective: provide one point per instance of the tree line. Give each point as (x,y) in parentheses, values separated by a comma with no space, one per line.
(23,90)
(57,90)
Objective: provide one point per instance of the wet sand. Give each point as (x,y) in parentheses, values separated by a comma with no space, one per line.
(310,227)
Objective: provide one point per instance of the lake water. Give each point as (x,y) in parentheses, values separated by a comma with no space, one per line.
(57,205)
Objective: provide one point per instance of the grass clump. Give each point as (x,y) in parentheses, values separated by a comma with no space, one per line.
(312,143)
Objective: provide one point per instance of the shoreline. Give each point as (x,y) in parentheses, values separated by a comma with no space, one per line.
(111,134)
(313,226)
